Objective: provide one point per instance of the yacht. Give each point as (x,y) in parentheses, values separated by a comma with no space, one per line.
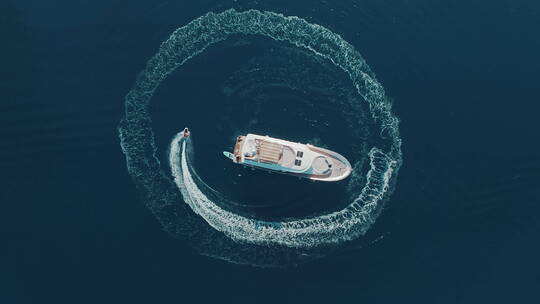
(281,156)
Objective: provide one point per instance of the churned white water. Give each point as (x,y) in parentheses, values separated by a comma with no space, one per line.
(137,137)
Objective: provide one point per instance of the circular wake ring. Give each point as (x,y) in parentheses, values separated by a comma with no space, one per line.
(137,137)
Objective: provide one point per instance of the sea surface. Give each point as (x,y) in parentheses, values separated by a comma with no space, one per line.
(460,219)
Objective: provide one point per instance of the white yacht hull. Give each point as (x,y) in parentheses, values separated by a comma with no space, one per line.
(281,156)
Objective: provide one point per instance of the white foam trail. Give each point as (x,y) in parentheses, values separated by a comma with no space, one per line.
(332,228)
(139,146)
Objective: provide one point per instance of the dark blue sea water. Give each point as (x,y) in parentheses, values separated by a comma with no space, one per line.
(461,226)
